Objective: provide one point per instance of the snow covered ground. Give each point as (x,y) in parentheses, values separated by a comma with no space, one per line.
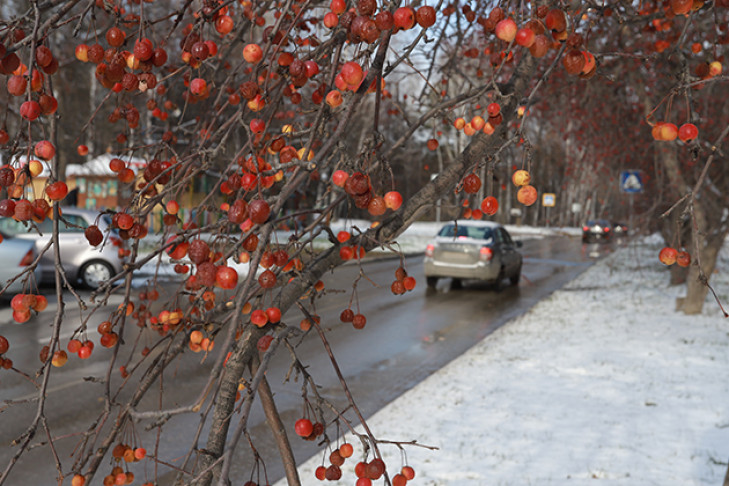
(602,380)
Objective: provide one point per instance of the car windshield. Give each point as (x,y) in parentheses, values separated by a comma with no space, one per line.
(9,226)
(476,232)
(600,222)
(70,223)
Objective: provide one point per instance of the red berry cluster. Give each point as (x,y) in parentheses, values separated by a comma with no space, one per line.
(403,283)
(167,320)
(358,187)
(19,82)
(307,430)
(260,317)
(198,342)
(478,123)
(109,338)
(128,227)
(351,252)
(347,252)
(127,454)
(208,274)
(82,348)
(5,363)
(364,23)
(333,472)
(667,132)
(22,304)
(367,472)
(358,320)
(669,256)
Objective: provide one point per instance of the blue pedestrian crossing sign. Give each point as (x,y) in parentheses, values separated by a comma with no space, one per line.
(631,181)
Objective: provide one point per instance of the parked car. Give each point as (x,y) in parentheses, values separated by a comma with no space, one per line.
(15,255)
(477,250)
(620,229)
(82,262)
(597,230)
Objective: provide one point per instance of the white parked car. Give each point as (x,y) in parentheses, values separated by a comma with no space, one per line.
(85,263)
(15,255)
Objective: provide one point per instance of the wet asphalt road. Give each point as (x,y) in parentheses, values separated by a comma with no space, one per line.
(406,339)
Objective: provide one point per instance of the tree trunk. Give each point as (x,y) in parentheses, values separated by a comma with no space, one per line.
(279,432)
(708,234)
(225,404)
(696,288)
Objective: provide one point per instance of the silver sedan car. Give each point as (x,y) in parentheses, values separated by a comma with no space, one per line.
(81,261)
(473,250)
(15,256)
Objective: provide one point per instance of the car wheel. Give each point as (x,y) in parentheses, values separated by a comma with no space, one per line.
(514,279)
(95,272)
(431,282)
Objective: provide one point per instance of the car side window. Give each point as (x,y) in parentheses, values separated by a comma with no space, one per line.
(11,227)
(45,226)
(503,237)
(76,224)
(72,224)
(499,236)
(507,238)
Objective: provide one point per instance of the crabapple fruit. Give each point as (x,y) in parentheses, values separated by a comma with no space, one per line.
(527,195)
(668,255)
(506,30)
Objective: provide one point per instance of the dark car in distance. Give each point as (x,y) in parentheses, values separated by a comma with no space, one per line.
(597,230)
(620,229)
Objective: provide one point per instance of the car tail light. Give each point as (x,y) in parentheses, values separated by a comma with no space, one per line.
(606,230)
(429,250)
(486,253)
(27,259)
(585,228)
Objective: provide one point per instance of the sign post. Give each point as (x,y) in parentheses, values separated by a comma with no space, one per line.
(548,201)
(631,182)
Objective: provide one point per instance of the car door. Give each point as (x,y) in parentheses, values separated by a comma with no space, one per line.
(508,248)
(71,243)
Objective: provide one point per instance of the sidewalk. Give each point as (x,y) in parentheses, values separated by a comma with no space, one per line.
(603,380)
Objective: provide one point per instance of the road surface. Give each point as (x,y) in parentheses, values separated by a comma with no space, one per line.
(407,338)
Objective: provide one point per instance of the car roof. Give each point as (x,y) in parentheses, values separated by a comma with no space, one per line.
(89,214)
(480,224)
(75,210)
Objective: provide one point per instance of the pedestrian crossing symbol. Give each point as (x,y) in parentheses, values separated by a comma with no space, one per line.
(631,181)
